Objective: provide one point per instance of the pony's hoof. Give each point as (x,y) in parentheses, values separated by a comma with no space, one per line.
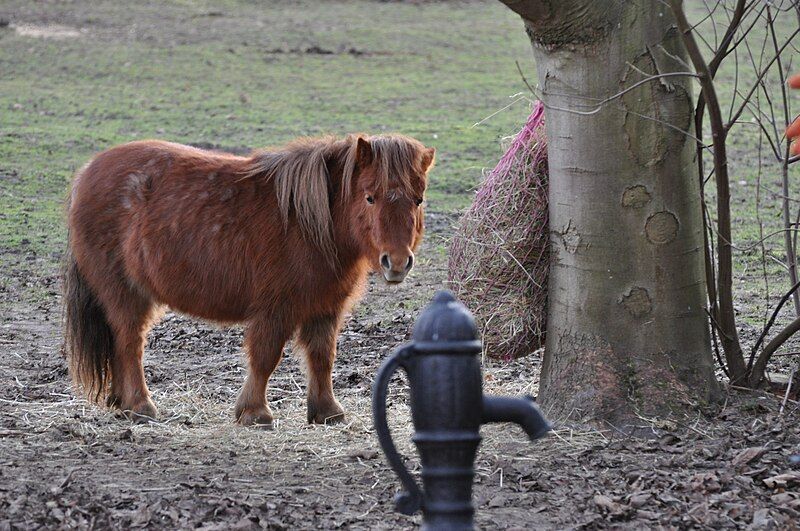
(332,414)
(260,417)
(113,401)
(141,413)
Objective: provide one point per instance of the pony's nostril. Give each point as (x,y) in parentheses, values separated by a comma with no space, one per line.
(385,263)
(410,262)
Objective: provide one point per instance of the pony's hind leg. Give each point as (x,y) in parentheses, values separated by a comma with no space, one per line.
(264,340)
(130,316)
(318,338)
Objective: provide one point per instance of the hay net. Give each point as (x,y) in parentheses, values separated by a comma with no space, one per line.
(498,263)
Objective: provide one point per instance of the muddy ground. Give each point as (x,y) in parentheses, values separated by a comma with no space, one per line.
(67,464)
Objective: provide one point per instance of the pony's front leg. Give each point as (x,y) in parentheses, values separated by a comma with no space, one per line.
(264,340)
(318,338)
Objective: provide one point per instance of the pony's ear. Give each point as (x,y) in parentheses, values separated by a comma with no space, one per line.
(364,154)
(427,158)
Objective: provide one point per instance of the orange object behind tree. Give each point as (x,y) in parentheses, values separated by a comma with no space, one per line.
(793,131)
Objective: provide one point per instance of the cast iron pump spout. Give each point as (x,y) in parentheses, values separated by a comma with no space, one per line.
(448,408)
(522,411)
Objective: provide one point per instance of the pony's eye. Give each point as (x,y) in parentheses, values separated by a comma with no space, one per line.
(418,202)
(370,199)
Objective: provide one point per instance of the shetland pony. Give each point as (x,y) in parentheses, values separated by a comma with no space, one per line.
(281,240)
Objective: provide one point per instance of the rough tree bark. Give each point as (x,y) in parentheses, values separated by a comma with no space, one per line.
(627,330)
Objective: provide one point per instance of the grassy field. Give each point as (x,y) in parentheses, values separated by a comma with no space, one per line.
(239,75)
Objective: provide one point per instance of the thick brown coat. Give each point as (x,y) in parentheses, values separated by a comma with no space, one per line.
(281,240)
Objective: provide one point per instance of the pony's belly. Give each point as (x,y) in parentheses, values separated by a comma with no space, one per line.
(211,306)
(194,284)
(217,314)
(209,290)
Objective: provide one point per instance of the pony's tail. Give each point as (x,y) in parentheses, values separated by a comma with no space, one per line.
(88,338)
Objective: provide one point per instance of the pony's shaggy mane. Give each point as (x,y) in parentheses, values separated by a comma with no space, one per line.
(300,171)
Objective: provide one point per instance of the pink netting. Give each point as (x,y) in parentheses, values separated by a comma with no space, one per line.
(499,256)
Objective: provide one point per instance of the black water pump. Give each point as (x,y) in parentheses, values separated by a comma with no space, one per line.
(447,407)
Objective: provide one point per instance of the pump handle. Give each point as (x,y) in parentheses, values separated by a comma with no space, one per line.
(410,501)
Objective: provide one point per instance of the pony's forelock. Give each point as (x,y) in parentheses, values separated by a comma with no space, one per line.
(396,162)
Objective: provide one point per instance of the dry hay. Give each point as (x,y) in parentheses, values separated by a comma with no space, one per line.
(499,255)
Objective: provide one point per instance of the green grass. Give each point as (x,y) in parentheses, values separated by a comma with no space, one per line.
(754,179)
(205,72)
(210,72)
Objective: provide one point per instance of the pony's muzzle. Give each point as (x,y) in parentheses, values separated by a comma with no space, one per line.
(396,268)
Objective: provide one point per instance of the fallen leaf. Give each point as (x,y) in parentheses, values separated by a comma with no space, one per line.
(748,455)
(606,503)
(639,500)
(364,453)
(647,515)
(782,480)
(782,498)
(498,501)
(761,519)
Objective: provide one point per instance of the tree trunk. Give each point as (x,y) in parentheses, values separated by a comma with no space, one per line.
(627,330)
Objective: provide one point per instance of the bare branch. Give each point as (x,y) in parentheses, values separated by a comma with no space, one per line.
(760,366)
(698,117)
(725,314)
(600,103)
(771,321)
(761,77)
(791,259)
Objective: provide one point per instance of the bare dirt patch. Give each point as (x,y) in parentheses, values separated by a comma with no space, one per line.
(65,463)
(49,31)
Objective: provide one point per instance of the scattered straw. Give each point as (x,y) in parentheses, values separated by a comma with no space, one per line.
(499,256)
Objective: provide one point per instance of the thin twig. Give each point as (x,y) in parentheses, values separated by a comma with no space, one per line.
(760,365)
(726,316)
(760,77)
(600,104)
(791,259)
(788,391)
(770,323)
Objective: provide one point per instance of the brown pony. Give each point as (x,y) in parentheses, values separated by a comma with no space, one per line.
(281,240)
